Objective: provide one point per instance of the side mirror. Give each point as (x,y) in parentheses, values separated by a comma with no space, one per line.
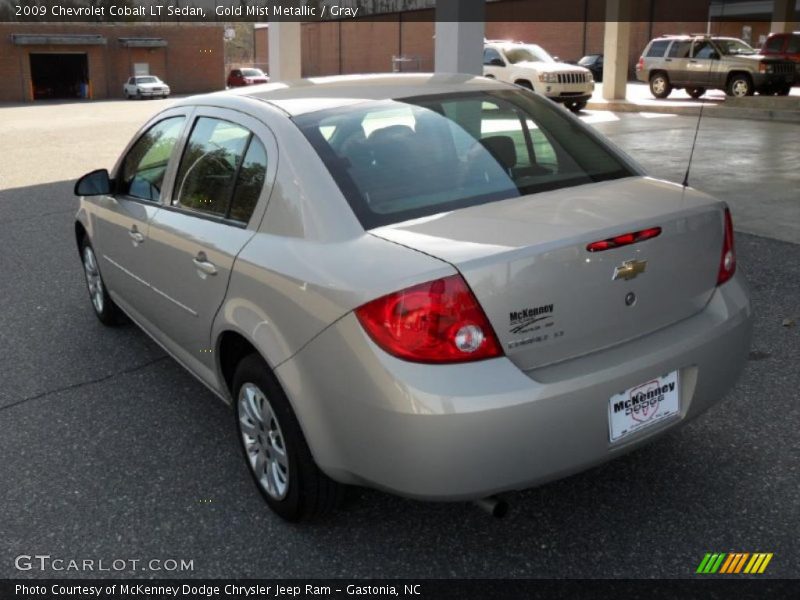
(497,62)
(96,183)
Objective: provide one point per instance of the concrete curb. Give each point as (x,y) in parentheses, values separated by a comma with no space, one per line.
(712,109)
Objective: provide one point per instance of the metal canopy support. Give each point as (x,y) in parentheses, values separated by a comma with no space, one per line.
(460,30)
(616,44)
(783,16)
(284,51)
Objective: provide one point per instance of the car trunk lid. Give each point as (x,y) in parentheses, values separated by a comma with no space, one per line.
(549,298)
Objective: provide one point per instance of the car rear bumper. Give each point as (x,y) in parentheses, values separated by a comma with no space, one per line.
(151,93)
(449,432)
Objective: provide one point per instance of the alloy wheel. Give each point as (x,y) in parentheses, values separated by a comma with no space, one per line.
(263,441)
(93,280)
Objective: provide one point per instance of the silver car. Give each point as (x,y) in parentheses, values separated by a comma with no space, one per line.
(440,286)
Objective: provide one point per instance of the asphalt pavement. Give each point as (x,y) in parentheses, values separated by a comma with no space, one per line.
(109,450)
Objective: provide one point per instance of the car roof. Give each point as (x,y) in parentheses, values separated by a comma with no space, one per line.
(319,93)
(691,36)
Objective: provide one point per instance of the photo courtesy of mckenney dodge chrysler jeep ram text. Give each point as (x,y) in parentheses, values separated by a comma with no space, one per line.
(441,286)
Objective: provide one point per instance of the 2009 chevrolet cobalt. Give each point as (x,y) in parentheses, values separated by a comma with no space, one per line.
(441,286)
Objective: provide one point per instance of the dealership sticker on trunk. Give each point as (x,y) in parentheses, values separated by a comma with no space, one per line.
(643,405)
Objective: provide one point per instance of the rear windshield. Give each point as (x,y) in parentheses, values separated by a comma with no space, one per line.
(396,160)
(146,80)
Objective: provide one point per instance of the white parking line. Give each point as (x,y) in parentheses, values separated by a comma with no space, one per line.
(650,115)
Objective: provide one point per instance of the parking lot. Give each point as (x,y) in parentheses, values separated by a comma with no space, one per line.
(111,450)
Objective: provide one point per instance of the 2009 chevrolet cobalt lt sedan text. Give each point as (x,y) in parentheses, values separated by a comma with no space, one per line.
(440,286)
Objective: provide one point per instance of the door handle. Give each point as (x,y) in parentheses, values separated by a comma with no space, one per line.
(693,61)
(137,237)
(667,60)
(203,264)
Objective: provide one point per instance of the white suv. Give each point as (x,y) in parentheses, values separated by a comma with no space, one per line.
(530,66)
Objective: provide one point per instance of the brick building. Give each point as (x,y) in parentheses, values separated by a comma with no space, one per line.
(40,61)
(368,45)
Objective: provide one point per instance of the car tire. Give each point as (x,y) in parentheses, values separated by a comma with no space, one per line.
(577,107)
(739,86)
(275,449)
(660,86)
(138,95)
(523,83)
(696,92)
(104,307)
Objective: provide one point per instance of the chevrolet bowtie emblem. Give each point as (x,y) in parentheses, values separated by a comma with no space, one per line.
(629,269)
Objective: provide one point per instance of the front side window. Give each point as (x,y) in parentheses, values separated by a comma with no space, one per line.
(147,80)
(222,170)
(142,172)
(397,160)
(490,54)
(703,49)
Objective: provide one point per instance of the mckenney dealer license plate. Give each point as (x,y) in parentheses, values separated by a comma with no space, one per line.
(643,405)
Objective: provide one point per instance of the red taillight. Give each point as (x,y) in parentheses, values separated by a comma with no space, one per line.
(727,264)
(640,64)
(624,239)
(435,322)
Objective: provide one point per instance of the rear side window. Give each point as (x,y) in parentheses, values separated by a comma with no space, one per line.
(222,170)
(143,169)
(679,49)
(658,48)
(399,160)
(249,182)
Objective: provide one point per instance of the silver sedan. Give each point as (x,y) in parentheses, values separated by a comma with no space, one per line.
(440,286)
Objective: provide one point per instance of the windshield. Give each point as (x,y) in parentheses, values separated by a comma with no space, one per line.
(398,160)
(252,72)
(588,60)
(527,53)
(146,80)
(733,47)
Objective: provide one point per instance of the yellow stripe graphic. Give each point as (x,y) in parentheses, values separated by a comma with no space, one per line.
(750,564)
(727,563)
(754,562)
(764,564)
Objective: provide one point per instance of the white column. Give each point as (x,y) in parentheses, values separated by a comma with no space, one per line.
(616,44)
(782,16)
(459,36)
(284,50)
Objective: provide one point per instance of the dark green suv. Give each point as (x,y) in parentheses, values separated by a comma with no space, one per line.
(701,62)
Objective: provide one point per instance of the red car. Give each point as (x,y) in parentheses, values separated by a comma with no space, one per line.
(785,46)
(240,77)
